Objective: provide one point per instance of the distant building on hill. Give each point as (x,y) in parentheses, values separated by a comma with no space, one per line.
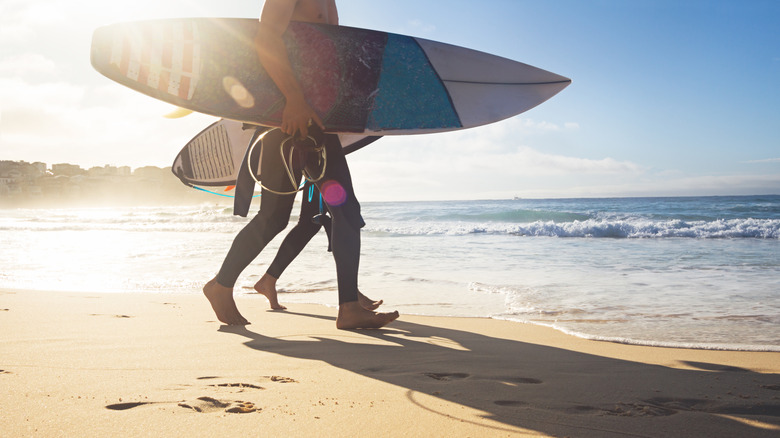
(108,170)
(32,184)
(23,168)
(66,169)
(152,172)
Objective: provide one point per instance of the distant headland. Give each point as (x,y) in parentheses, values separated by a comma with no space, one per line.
(24,185)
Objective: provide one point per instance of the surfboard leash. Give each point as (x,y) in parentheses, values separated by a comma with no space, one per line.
(215,193)
(323,156)
(288,162)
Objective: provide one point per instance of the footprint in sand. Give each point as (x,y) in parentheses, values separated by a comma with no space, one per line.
(114,316)
(524,380)
(713,407)
(202,405)
(280,379)
(639,410)
(238,385)
(128,405)
(509,403)
(277,379)
(209,404)
(446,376)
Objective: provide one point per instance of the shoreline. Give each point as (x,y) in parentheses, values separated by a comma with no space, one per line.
(748,348)
(573,333)
(650,291)
(147,364)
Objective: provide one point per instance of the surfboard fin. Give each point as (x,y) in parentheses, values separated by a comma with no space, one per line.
(178,113)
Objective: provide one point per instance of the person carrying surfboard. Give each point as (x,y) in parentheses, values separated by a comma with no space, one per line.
(298,119)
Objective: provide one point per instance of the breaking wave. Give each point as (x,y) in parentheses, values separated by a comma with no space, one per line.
(597,228)
(423,221)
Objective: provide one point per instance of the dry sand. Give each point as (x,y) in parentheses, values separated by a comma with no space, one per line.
(86,364)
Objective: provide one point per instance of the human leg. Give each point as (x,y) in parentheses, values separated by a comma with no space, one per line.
(271,219)
(292,245)
(338,194)
(300,235)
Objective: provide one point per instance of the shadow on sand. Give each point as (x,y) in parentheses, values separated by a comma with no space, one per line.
(550,390)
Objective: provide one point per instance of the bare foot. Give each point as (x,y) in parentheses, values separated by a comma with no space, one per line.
(221,299)
(353,316)
(267,286)
(367,303)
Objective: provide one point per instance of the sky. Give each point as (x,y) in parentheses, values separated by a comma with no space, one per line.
(668,97)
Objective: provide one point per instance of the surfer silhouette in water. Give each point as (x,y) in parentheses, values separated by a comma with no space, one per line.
(298,118)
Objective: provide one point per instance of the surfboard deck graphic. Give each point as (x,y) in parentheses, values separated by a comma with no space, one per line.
(358,80)
(214,156)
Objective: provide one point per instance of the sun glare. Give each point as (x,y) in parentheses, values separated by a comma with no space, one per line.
(106,13)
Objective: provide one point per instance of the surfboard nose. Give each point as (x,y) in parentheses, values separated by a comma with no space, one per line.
(485,88)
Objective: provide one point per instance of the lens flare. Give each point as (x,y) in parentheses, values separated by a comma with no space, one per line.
(333,193)
(238,92)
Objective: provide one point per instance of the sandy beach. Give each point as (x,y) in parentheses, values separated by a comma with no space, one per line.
(86,364)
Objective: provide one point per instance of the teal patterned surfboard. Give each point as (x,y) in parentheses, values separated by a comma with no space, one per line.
(358,80)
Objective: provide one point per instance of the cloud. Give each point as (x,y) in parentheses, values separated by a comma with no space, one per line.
(502,137)
(65,122)
(28,65)
(539,163)
(499,159)
(431,167)
(662,184)
(418,27)
(14,24)
(18,94)
(735,184)
(27,15)
(768,160)
(543,126)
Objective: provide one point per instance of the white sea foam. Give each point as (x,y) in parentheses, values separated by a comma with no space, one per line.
(435,222)
(667,344)
(647,342)
(595,228)
(696,272)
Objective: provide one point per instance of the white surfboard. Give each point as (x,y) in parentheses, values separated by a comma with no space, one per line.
(213,157)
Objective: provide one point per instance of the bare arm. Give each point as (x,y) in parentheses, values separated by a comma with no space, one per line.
(333,13)
(272,52)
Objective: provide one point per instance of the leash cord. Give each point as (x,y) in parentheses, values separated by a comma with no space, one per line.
(287,166)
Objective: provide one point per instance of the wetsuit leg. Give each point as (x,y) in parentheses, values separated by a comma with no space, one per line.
(337,192)
(300,235)
(272,218)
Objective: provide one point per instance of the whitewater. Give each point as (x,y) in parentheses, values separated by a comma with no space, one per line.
(699,272)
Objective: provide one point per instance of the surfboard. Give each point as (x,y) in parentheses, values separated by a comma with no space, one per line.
(358,80)
(214,156)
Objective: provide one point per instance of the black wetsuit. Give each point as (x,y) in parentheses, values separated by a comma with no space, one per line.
(274,214)
(297,239)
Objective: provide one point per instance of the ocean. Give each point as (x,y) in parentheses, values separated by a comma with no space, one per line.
(698,272)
